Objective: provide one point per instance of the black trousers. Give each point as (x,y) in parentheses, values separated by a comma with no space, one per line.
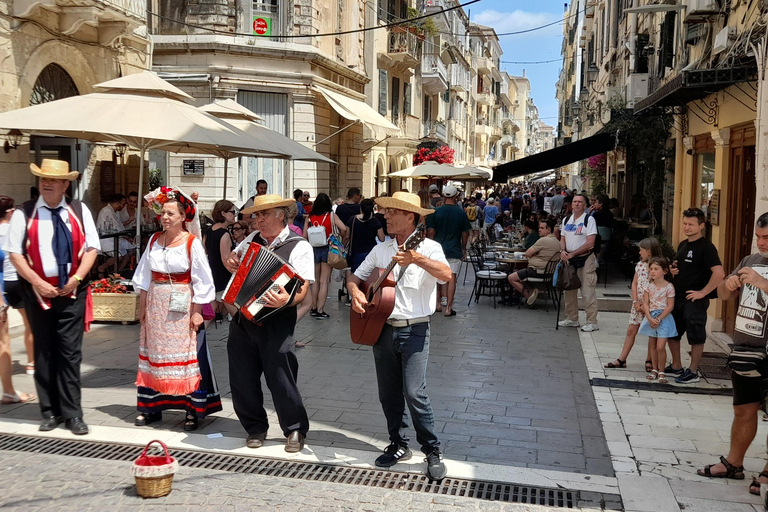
(58,352)
(269,349)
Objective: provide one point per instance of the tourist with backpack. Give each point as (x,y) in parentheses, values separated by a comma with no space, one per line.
(318,226)
(473,214)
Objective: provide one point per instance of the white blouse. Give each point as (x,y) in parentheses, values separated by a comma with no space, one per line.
(174,260)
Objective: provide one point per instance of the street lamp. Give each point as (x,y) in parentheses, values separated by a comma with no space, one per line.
(592,73)
(13,141)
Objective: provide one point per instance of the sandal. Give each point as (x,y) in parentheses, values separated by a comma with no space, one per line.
(649,366)
(17,398)
(731,471)
(145,419)
(663,378)
(616,364)
(190,423)
(754,487)
(653,375)
(29,369)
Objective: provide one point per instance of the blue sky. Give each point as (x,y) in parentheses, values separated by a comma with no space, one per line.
(544,44)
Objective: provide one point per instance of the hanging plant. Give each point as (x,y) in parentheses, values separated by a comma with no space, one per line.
(441,155)
(595,171)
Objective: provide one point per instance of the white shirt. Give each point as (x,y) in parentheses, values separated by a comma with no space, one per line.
(174,260)
(108,220)
(18,230)
(575,232)
(302,257)
(9,271)
(415,293)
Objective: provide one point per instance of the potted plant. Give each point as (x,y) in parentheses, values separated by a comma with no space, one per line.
(113,302)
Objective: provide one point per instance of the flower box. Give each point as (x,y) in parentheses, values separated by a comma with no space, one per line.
(116,307)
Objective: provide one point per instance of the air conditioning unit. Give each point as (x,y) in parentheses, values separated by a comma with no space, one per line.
(637,87)
(700,11)
(724,39)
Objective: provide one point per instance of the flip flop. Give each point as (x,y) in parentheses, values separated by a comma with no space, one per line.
(452,313)
(17,398)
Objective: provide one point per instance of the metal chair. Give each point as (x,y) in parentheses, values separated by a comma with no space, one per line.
(545,281)
(488,282)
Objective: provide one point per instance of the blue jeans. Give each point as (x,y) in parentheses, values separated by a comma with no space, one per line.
(401,356)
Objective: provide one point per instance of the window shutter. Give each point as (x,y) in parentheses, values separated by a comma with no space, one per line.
(395,100)
(383,92)
(406,98)
(390,10)
(667,41)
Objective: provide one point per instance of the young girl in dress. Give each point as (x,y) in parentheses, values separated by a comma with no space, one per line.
(649,248)
(658,324)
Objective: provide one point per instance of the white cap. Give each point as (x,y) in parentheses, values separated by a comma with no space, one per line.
(433,188)
(450,191)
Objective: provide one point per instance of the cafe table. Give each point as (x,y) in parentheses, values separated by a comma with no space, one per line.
(514,263)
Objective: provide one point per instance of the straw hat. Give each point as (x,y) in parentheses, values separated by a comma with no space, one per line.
(54,169)
(266,202)
(403,201)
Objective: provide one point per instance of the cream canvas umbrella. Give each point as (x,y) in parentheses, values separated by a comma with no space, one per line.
(431,169)
(141,110)
(269,141)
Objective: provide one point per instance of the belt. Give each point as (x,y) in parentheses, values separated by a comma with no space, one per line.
(405,323)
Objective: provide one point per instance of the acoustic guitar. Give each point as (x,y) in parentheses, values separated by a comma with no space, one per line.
(379,289)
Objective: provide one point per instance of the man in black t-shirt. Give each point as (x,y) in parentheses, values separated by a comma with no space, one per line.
(352,207)
(697,271)
(748,282)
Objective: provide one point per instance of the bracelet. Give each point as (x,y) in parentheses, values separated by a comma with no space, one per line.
(78,278)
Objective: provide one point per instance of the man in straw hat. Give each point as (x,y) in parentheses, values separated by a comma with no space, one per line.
(268,347)
(53,244)
(402,350)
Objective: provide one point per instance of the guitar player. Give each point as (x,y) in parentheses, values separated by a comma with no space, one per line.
(402,350)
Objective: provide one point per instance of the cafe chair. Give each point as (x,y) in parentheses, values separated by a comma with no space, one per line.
(544,282)
(488,282)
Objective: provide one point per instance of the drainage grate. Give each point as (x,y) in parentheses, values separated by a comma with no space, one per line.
(713,366)
(484,490)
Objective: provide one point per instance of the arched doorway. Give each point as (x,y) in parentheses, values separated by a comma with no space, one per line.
(379,181)
(394,183)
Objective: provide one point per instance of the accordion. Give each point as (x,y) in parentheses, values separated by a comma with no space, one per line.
(260,271)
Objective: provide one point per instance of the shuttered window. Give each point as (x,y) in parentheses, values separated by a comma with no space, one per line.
(395,100)
(406,99)
(383,92)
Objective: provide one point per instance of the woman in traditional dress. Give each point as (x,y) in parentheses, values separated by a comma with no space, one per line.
(175,281)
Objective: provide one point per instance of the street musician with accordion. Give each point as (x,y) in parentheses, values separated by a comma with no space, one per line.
(261,332)
(401,342)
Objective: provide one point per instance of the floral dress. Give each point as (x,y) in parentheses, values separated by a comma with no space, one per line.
(641,271)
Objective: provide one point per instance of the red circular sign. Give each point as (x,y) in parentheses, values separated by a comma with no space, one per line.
(260,26)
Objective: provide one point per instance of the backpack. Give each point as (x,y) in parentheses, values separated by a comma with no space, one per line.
(317,235)
(472,212)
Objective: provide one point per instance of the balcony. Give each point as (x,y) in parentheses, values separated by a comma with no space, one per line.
(112,18)
(435,129)
(482,65)
(434,74)
(403,49)
(482,127)
(460,81)
(484,96)
(509,139)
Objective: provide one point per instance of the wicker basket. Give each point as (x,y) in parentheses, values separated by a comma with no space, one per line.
(154,473)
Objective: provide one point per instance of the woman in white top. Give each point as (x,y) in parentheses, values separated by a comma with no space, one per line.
(175,281)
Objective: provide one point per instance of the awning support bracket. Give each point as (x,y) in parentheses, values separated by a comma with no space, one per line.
(350,125)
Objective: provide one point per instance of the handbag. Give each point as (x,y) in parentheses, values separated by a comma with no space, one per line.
(316,234)
(337,253)
(566,277)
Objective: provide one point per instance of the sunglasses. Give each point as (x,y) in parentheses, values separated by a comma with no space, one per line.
(692,212)
(237,229)
(232,212)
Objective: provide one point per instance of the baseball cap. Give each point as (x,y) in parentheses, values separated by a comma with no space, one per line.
(490,201)
(433,188)
(449,191)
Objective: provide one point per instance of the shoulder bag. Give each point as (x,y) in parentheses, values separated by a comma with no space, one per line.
(316,233)
(566,278)
(337,253)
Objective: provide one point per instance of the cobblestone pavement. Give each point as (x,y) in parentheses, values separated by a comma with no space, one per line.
(48,482)
(506,388)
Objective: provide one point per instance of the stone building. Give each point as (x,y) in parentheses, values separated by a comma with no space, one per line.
(55,49)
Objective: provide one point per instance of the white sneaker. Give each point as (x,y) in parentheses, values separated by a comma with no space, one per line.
(444,301)
(532,297)
(568,323)
(589,327)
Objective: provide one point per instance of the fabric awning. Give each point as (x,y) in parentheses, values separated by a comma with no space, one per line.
(556,157)
(356,110)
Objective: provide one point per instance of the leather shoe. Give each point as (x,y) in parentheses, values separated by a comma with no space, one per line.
(50,423)
(256,440)
(295,442)
(77,426)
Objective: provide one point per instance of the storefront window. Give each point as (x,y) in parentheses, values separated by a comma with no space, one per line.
(705,167)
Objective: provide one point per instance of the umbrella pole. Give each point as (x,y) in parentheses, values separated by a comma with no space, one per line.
(138,219)
(226,162)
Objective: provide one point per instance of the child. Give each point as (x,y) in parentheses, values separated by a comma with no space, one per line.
(658,325)
(649,248)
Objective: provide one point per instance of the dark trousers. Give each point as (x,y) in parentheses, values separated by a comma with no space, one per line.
(269,349)
(401,357)
(58,335)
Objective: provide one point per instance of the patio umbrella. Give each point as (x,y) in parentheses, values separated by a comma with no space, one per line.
(431,169)
(270,143)
(141,110)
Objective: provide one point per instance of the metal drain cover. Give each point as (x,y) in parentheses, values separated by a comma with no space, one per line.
(484,490)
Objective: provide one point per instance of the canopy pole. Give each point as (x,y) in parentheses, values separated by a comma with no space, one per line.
(226,162)
(350,125)
(141,198)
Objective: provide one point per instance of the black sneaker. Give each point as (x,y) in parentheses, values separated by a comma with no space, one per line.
(435,465)
(393,454)
(312,312)
(322,316)
(688,377)
(672,371)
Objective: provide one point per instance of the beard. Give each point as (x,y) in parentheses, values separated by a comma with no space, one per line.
(764,254)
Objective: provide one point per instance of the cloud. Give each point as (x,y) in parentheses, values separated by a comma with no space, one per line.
(518,20)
